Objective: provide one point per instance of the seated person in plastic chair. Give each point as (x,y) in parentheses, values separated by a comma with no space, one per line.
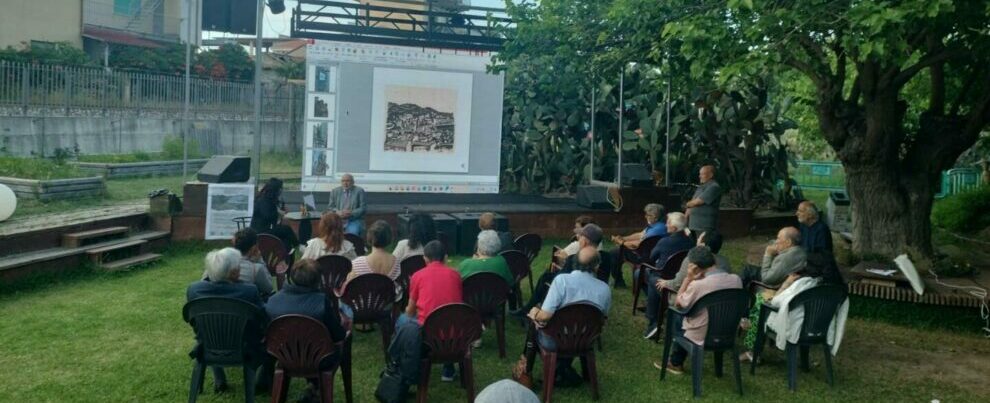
(579,285)
(703,278)
(588,237)
(429,288)
(222,280)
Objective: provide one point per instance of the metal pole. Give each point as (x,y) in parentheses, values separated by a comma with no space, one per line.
(256,161)
(622,107)
(666,153)
(591,141)
(185,103)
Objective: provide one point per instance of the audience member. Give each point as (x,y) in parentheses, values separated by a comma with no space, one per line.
(252,268)
(486,221)
(703,278)
(420,231)
(348,202)
(506,391)
(429,288)
(783,257)
(786,323)
(713,240)
(702,209)
(330,240)
(655,216)
(678,240)
(815,235)
(486,258)
(588,237)
(268,212)
(579,285)
(222,280)
(573,247)
(379,260)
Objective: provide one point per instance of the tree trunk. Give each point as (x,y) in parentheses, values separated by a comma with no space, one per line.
(890,210)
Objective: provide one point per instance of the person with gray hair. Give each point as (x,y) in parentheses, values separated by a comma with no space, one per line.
(702,209)
(783,257)
(815,235)
(655,215)
(349,203)
(677,241)
(506,391)
(222,275)
(486,258)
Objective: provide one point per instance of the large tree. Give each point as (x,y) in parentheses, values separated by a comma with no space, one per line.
(902,89)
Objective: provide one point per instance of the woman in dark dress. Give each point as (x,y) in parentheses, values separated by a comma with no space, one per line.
(268,211)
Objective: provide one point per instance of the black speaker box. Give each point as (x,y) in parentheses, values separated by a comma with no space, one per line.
(446,229)
(233,16)
(636,175)
(593,196)
(467,230)
(225,169)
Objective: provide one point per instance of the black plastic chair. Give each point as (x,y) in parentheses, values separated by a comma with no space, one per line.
(529,245)
(333,273)
(520,268)
(636,257)
(371,296)
(820,305)
(487,292)
(574,329)
(224,328)
(358,243)
(725,309)
(447,336)
(408,266)
(667,272)
(273,252)
(301,345)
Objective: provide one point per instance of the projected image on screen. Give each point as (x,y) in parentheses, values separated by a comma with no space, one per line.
(420,119)
(319,135)
(322,83)
(319,167)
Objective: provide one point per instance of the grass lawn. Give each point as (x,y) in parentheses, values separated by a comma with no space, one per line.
(133,190)
(120,337)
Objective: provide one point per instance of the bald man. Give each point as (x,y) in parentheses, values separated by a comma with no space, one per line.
(702,209)
(783,257)
(815,235)
(348,202)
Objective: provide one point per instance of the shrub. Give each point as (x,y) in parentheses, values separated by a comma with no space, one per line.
(965,212)
(37,168)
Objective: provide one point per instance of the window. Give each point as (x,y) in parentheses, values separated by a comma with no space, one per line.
(127,7)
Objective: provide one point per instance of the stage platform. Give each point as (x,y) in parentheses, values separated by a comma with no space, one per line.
(397,203)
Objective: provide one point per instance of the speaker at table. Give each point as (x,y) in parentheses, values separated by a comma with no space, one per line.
(225,169)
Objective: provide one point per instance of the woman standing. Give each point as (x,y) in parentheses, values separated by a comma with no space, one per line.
(268,212)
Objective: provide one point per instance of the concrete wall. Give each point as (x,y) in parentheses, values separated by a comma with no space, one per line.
(40,20)
(116,133)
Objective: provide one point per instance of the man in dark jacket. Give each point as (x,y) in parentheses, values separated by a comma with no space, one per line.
(815,235)
(677,241)
(222,275)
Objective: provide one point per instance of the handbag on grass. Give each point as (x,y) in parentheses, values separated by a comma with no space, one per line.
(391,388)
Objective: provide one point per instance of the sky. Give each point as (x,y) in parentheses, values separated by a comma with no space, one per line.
(278,25)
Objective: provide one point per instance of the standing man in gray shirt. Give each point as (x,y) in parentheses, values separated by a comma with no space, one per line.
(702,209)
(348,202)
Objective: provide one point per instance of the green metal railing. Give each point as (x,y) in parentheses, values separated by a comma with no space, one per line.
(829,175)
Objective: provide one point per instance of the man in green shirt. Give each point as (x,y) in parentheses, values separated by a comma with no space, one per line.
(486,258)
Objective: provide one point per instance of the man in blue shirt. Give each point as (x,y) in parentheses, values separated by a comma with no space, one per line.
(580,285)
(655,216)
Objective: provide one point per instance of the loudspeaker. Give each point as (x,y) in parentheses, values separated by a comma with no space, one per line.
(593,196)
(467,230)
(225,169)
(233,16)
(636,175)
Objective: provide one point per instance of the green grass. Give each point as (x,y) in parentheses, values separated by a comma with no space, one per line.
(95,336)
(37,168)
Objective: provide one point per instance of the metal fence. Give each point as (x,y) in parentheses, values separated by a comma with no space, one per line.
(829,175)
(34,85)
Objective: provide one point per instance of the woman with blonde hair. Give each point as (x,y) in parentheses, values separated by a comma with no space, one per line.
(330,240)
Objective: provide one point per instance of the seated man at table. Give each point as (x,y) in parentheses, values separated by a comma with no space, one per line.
(222,280)
(429,288)
(703,278)
(579,285)
(348,202)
